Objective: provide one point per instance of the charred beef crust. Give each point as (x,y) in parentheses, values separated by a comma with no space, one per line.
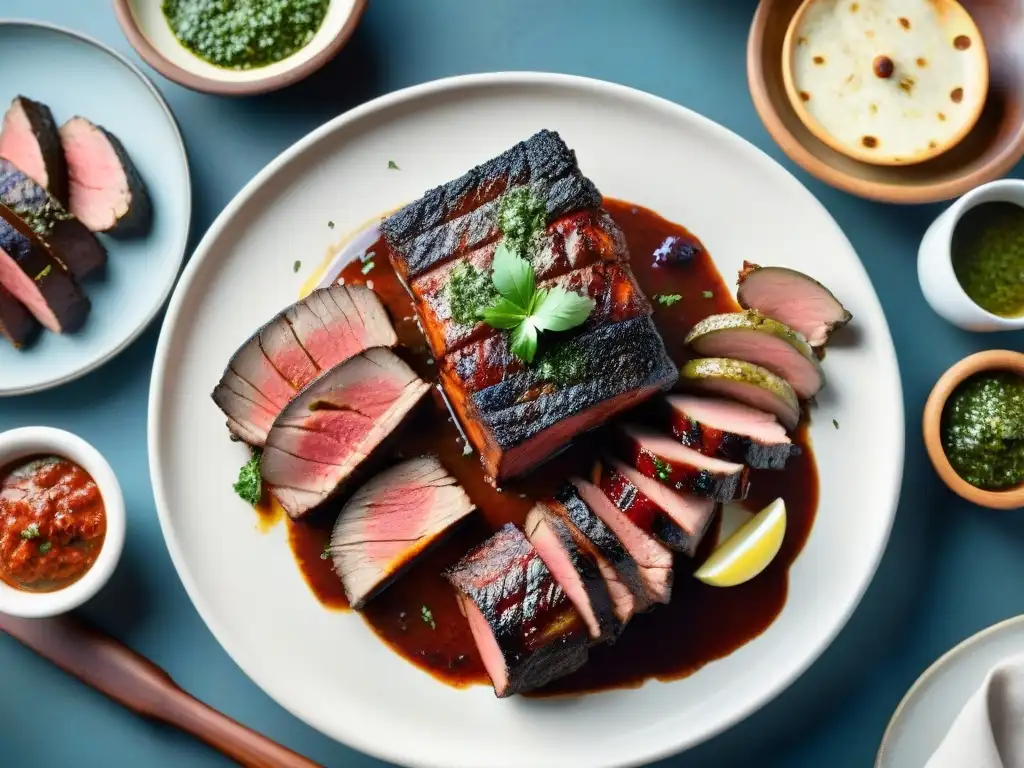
(730,446)
(536,626)
(16,323)
(462,214)
(44,129)
(139,216)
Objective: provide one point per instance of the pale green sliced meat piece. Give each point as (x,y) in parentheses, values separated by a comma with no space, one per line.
(748,383)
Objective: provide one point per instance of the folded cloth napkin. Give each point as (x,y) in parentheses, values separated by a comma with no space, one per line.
(989,731)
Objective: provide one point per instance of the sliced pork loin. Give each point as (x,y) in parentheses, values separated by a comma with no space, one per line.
(324,439)
(748,383)
(729,430)
(105,190)
(575,568)
(793,298)
(526,628)
(17,324)
(311,336)
(31,274)
(653,559)
(31,141)
(677,520)
(69,240)
(392,519)
(660,457)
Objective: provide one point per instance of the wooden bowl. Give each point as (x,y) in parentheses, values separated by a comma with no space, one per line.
(992,360)
(992,147)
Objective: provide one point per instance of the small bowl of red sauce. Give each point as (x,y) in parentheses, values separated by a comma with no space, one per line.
(62,522)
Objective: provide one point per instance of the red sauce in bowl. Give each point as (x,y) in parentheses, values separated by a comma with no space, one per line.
(52,523)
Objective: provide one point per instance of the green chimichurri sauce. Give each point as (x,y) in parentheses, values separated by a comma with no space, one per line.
(983,430)
(244,34)
(988,257)
(469,292)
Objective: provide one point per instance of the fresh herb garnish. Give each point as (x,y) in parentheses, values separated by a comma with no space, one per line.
(428,617)
(835,423)
(393,166)
(662,469)
(521,217)
(249,484)
(45,547)
(707,294)
(367,267)
(668,299)
(330,225)
(296,266)
(525,310)
(31,531)
(44,273)
(326,554)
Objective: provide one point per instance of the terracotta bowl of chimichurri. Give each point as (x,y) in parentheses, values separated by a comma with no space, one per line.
(62,522)
(238,47)
(974,429)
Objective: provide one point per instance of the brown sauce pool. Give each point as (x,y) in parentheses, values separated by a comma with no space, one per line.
(417,616)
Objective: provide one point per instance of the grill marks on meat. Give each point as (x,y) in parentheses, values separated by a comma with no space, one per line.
(527,630)
(17,324)
(313,335)
(391,520)
(30,140)
(324,440)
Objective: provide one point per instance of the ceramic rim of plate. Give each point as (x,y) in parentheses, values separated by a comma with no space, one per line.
(819,131)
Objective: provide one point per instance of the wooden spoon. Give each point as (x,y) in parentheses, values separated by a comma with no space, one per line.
(114,669)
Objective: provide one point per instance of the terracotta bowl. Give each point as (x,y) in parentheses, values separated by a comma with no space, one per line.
(991,148)
(992,360)
(143,23)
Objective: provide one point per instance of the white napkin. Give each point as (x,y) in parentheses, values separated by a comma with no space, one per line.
(989,731)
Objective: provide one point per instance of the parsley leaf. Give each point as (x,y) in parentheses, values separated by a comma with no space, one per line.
(504,314)
(524,340)
(835,423)
(31,531)
(513,277)
(45,547)
(559,310)
(668,299)
(330,225)
(428,617)
(393,166)
(249,484)
(296,266)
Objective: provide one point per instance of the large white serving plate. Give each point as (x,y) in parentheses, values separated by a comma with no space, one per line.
(328,668)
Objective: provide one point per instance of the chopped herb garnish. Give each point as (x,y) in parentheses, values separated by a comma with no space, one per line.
(45,547)
(662,469)
(428,617)
(326,554)
(522,216)
(249,484)
(668,299)
(367,267)
(31,531)
(707,294)
(296,266)
(835,423)
(44,273)
(330,225)
(393,166)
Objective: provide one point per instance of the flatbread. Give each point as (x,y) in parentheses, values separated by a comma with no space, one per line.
(886,81)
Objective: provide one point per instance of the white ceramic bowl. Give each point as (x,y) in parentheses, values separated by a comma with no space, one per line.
(935,272)
(32,441)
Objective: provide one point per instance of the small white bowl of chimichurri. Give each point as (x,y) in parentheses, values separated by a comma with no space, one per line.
(238,47)
(971,260)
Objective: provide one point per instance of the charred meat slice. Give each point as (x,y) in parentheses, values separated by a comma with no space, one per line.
(525,627)
(677,520)
(17,324)
(730,430)
(679,467)
(31,274)
(575,568)
(324,439)
(31,141)
(106,192)
(462,215)
(69,240)
(309,337)
(391,520)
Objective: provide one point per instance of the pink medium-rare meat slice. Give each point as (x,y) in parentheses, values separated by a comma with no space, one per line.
(323,440)
(527,630)
(729,430)
(653,559)
(666,460)
(30,139)
(105,190)
(389,521)
(575,568)
(297,345)
(17,324)
(677,520)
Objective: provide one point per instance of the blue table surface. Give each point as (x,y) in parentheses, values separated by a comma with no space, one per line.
(950,569)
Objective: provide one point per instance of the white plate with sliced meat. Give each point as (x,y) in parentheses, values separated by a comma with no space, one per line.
(553,620)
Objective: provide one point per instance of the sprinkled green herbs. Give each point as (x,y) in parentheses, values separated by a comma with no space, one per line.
(835,423)
(368,267)
(707,294)
(469,291)
(428,617)
(326,554)
(330,225)
(249,485)
(45,547)
(668,299)
(46,270)
(31,531)
(296,266)
(522,217)
(662,469)
(565,364)
(393,166)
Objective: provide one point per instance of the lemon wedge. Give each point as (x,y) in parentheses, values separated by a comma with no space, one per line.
(748,551)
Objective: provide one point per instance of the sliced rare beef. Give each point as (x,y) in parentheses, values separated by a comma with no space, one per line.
(652,558)
(324,440)
(105,190)
(677,520)
(730,430)
(575,567)
(17,324)
(311,336)
(69,240)
(664,459)
(527,630)
(392,519)
(31,274)
(31,141)
(462,215)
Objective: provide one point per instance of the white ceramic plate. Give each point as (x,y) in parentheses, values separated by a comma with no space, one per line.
(76,75)
(328,668)
(922,719)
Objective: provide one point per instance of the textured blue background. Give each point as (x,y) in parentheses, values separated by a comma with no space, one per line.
(950,570)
